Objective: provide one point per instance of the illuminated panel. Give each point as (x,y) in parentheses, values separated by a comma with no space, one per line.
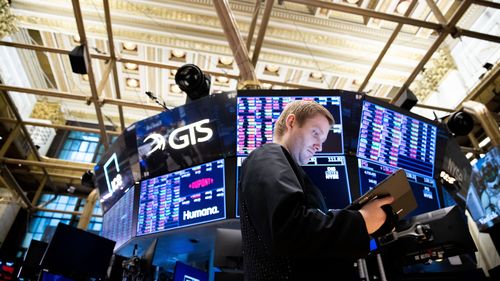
(256,117)
(187,197)
(117,221)
(391,138)
(329,174)
(424,188)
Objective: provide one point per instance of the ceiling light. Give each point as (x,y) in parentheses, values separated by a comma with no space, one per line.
(473,162)
(352,1)
(316,75)
(484,142)
(402,6)
(272,68)
(131,66)
(173,72)
(130,46)
(267,85)
(132,82)
(85,77)
(226,60)
(222,79)
(174,88)
(178,53)
(76,38)
(469,155)
(481,155)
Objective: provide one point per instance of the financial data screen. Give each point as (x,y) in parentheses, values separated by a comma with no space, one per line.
(392,138)
(256,117)
(191,196)
(117,221)
(329,174)
(423,187)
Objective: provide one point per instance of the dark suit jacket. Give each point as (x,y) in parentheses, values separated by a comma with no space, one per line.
(287,231)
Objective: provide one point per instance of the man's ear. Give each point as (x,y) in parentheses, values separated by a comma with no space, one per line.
(290,121)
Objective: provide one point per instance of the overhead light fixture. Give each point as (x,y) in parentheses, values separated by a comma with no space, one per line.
(473,161)
(267,85)
(174,88)
(272,68)
(173,72)
(222,79)
(316,75)
(226,61)
(129,46)
(85,77)
(402,6)
(132,82)
(76,38)
(352,1)
(469,155)
(177,54)
(131,66)
(484,142)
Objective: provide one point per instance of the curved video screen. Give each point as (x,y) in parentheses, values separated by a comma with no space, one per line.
(191,196)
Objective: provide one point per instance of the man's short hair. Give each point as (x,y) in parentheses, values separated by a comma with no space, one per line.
(303,110)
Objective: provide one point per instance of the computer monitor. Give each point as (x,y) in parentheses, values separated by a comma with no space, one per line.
(423,187)
(257,112)
(227,249)
(76,253)
(31,264)
(114,173)
(329,174)
(117,224)
(396,139)
(483,197)
(184,272)
(187,197)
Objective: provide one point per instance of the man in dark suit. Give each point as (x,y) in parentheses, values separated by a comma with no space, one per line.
(288,233)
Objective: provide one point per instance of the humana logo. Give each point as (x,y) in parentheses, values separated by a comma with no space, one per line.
(188,215)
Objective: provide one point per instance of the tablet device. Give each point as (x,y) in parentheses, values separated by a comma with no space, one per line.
(397,186)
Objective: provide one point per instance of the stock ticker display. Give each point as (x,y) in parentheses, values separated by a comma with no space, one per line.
(186,197)
(329,174)
(423,187)
(117,221)
(395,139)
(256,117)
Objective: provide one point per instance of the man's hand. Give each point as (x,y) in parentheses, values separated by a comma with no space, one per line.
(373,214)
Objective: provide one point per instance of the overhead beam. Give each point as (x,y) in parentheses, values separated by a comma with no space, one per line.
(386,47)
(253,23)
(437,13)
(111,43)
(12,136)
(477,35)
(439,40)
(61,127)
(92,82)
(236,43)
(44,164)
(368,13)
(262,31)
(44,92)
(8,180)
(491,4)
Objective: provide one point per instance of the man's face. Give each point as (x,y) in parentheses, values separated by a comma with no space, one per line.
(304,141)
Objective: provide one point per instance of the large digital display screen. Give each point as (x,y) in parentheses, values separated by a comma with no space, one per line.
(423,187)
(483,197)
(198,132)
(114,173)
(395,139)
(190,196)
(117,221)
(329,174)
(256,116)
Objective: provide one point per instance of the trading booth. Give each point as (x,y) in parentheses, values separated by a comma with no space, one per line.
(168,184)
